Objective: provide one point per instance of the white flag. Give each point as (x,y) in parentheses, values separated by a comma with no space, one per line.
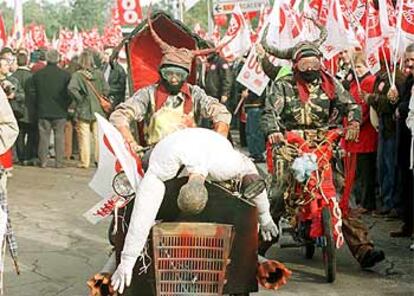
(340,35)
(188,4)
(239,31)
(112,148)
(18,34)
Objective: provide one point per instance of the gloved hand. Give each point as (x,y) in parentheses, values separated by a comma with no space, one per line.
(123,274)
(352,132)
(275,138)
(269,230)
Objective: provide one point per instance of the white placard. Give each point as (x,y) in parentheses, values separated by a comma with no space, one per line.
(252,75)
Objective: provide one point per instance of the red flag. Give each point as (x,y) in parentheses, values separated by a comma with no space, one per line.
(407,21)
(130,13)
(321,10)
(38,35)
(3,35)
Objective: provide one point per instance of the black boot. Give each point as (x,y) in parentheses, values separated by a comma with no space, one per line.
(371,258)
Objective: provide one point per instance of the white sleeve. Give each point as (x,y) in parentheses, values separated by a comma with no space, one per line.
(263,208)
(261,201)
(9,129)
(147,203)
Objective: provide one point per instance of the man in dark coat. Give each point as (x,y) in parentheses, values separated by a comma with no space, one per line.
(51,84)
(115,76)
(27,150)
(405,193)
(219,78)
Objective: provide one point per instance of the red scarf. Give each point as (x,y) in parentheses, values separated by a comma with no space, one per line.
(328,86)
(161,95)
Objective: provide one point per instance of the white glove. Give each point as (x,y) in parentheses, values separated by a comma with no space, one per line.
(269,230)
(123,275)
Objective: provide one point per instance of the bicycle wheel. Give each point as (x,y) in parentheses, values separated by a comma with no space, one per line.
(328,251)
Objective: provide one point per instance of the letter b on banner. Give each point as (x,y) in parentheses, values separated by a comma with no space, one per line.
(130,12)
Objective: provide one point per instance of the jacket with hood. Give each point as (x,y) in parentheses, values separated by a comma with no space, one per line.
(87,102)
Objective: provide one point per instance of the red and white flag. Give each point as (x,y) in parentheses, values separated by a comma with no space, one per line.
(3,35)
(340,35)
(239,31)
(38,35)
(76,44)
(130,13)
(407,20)
(114,156)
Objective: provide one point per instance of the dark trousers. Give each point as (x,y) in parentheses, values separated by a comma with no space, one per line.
(45,127)
(254,135)
(386,170)
(365,180)
(407,199)
(27,148)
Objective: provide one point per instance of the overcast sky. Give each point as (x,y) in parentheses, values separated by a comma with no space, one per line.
(11,2)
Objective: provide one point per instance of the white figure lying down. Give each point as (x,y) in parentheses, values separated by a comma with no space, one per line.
(203,153)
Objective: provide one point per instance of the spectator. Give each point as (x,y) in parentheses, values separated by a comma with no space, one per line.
(115,76)
(405,117)
(365,149)
(384,101)
(52,100)
(41,62)
(71,142)
(254,135)
(27,149)
(87,105)
(218,80)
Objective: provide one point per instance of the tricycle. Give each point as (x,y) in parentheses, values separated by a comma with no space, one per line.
(305,198)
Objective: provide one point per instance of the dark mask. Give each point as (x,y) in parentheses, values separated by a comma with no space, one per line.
(310,76)
(172,89)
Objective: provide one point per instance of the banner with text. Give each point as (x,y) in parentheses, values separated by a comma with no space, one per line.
(130,13)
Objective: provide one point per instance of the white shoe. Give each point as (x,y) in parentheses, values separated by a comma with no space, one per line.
(412,247)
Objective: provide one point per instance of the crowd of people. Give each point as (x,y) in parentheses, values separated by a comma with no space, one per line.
(47,94)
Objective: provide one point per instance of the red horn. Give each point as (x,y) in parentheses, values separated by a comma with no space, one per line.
(272,274)
(208,51)
(163,45)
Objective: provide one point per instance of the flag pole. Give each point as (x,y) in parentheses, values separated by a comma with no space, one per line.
(387,66)
(181,10)
(397,41)
(209,19)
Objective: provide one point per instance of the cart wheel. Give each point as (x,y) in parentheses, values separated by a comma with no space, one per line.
(328,251)
(309,250)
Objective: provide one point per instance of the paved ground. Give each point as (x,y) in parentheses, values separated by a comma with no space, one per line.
(59,250)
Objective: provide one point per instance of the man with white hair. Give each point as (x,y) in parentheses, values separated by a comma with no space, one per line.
(204,154)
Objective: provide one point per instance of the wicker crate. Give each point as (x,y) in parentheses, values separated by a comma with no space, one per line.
(191,258)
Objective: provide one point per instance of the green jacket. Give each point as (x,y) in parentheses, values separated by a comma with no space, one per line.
(285,111)
(87,102)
